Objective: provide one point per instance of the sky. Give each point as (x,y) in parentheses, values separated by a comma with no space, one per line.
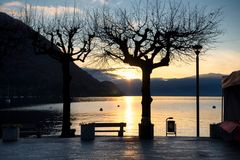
(223,58)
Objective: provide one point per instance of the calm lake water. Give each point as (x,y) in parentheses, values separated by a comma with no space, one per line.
(128,109)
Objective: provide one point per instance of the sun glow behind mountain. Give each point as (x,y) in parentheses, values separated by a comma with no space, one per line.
(128,74)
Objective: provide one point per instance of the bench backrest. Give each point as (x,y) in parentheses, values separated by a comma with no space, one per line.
(109,124)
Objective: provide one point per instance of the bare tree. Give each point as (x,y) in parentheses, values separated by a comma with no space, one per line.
(70,40)
(151,35)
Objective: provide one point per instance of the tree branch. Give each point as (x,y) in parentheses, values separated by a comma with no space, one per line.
(62,45)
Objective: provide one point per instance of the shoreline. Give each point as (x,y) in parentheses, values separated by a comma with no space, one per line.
(6,103)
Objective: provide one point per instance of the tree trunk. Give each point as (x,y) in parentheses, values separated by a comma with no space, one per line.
(146,127)
(66,99)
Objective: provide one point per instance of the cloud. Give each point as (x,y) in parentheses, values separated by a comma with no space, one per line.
(113,74)
(10,7)
(100,1)
(102,74)
(12,4)
(52,10)
(16,6)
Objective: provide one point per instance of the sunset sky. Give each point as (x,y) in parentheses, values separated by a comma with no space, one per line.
(224,59)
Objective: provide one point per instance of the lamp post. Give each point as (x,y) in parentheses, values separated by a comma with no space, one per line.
(197,49)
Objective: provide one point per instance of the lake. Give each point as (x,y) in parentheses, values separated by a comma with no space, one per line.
(128,109)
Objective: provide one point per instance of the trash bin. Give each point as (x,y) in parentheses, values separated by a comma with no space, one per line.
(87,132)
(170,126)
(10,133)
(215,131)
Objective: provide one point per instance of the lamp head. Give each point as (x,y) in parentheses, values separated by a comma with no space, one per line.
(197,48)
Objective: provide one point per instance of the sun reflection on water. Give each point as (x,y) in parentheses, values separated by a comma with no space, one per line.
(129,114)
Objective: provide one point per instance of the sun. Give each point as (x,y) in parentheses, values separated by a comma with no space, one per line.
(129,75)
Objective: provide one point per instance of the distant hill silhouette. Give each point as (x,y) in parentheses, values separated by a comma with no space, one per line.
(23,73)
(210,85)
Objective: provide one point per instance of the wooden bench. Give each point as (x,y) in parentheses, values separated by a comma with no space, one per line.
(88,130)
(105,125)
(30,129)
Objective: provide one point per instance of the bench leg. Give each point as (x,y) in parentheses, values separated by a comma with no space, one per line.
(120,133)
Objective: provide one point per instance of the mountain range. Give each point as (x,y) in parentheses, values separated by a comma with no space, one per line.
(209,84)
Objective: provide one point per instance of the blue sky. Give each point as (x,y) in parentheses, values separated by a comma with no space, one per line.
(224,58)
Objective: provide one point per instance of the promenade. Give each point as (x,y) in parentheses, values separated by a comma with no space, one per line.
(169,148)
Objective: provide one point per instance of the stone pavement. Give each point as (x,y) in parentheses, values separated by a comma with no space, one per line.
(169,148)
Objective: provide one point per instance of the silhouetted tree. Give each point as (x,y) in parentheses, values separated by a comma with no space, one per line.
(70,40)
(149,36)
